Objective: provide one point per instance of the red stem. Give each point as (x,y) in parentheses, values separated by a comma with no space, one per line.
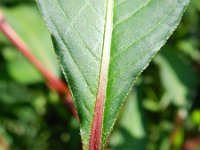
(192,144)
(95,142)
(96,131)
(52,81)
(3,144)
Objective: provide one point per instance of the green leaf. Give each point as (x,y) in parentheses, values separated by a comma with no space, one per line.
(179,73)
(19,68)
(103,45)
(131,132)
(12,2)
(190,48)
(27,22)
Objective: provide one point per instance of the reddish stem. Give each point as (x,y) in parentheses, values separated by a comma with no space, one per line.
(3,144)
(192,144)
(52,81)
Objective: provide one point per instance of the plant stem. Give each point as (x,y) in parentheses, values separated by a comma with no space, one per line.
(95,142)
(52,81)
(3,144)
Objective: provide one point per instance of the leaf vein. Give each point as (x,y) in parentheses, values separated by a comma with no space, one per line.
(63,41)
(133,13)
(94,9)
(74,28)
(150,31)
(120,3)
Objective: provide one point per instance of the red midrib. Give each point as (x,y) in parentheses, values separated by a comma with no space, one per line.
(96,131)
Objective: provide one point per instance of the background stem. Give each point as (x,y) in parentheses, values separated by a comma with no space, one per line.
(3,144)
(52,81)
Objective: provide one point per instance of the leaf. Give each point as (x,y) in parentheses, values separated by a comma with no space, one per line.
(12,94)
(131,133)
(103,45)
(179,73)
(190,48)
(27,22)
(19,68)
(12,2)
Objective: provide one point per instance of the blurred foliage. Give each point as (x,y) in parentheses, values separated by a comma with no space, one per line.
(32,30)
(162,112)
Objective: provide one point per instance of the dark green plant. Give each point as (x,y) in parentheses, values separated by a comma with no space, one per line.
(103,46)
(161,112)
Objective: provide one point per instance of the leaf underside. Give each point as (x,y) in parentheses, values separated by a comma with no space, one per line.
(102,46)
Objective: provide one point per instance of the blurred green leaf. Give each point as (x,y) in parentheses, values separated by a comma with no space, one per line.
(190,47)
(178,139)
(19,67)
(11,94)
(196,117)
(178,78)
(196,4)
(27,23)
(12,2)
(131,132)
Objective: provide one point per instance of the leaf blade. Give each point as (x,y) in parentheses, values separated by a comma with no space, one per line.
(140,29)
(76,76)
(124,80)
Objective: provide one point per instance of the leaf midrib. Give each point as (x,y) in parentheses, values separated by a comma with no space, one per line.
(96,130)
